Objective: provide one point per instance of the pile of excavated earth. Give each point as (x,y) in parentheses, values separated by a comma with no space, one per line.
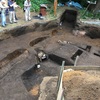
(80,85)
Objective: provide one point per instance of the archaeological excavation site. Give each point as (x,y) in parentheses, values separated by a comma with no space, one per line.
(53,60)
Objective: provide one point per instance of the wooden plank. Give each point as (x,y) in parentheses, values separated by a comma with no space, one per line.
(59,83)
(83,67)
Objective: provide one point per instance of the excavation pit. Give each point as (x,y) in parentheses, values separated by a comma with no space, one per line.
(77,53)
(57,59)
(69,18)
(11,56)
(87,48)
(36,41)
(97,54)
(23,80)
(33,77)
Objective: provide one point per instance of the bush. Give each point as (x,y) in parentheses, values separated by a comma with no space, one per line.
(84,14)
(35,4)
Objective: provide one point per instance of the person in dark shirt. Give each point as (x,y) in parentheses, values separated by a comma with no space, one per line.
(12,6)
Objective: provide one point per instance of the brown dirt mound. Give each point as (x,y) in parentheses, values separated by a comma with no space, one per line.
(81,86)
(34,91)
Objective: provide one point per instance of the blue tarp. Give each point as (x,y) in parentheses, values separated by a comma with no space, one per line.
(74,4)
(60,4)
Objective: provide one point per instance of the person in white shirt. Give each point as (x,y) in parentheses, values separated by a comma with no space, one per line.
(3,7)
(27,6)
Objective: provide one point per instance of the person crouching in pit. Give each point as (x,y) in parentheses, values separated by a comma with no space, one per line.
(12,5)
(43,11)
(3,7)
(27,6)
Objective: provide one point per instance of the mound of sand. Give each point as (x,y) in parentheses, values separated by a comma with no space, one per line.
(80,85)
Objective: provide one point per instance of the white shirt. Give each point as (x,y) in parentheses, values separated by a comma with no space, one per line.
(3,6)
(27,5)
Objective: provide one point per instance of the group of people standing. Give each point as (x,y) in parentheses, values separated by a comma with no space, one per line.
(11,6)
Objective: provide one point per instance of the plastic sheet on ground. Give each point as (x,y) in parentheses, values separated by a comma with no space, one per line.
(74,4)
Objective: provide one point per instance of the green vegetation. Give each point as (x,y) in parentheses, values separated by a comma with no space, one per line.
(84,14)
(36,5)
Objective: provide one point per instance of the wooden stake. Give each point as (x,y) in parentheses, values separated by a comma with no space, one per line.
(55,7)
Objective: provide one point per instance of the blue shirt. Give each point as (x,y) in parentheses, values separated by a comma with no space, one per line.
(9,4)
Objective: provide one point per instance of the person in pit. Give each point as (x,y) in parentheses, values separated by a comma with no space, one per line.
(43,11)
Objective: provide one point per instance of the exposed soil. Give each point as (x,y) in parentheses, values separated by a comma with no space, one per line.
(48,89)
(80,85)
(65,34)
(19,72)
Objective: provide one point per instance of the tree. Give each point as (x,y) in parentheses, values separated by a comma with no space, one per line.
(97,7)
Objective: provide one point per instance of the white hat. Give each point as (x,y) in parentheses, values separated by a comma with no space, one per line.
(3,0)
(43,5)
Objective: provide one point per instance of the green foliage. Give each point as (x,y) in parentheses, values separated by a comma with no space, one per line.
(35,4)
(36,7)
(20,3)
(88,14)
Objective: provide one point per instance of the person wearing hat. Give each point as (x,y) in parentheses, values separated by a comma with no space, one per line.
(27,6)
(42,12)
(3,7)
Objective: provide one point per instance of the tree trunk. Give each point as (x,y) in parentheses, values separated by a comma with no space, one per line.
(97,7)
